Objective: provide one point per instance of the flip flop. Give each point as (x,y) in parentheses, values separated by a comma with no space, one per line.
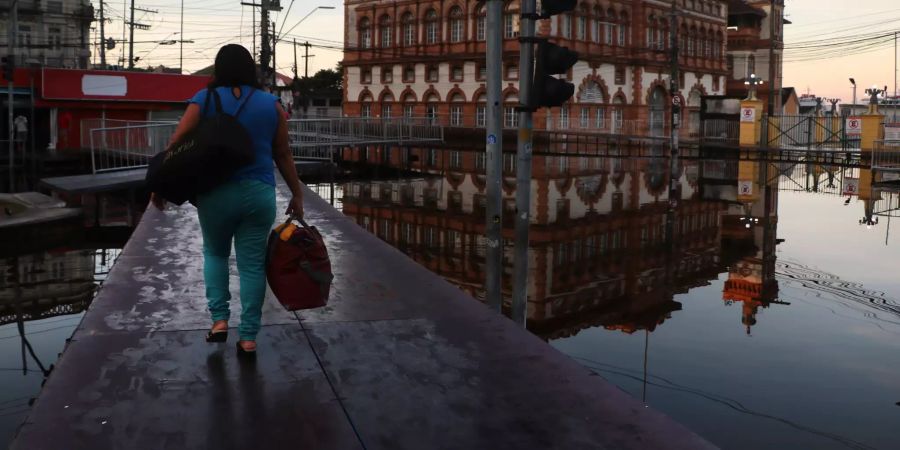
(217,335)
(245,353)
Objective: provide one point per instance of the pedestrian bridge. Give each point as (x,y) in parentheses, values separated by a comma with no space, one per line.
(130,146)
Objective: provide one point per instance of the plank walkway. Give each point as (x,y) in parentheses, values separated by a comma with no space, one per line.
(399,359)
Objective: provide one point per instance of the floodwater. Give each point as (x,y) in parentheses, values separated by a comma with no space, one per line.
(46,284)
(758,303)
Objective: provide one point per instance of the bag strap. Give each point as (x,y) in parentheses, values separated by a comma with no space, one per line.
(215,94)
(244,103)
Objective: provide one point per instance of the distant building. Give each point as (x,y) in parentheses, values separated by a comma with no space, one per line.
(50,33)
(427,59)
(749,45)
(790,103)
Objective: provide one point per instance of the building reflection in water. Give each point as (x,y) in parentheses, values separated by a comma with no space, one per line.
(605,248)
(50,283)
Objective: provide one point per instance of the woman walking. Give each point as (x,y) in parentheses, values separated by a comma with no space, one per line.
(241,210)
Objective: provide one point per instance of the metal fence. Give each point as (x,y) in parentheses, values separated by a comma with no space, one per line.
(808,132)
(127,147)
(886,155)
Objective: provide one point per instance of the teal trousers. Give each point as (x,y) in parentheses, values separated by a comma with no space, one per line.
(240,211)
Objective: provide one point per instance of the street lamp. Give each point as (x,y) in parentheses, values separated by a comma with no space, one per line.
(753,82)
(853,82)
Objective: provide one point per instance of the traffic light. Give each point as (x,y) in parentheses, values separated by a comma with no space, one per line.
(553,7)
(549,91)
(9,67)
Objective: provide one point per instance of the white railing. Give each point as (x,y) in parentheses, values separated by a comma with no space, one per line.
(319,138)
(127,147)
(86,125)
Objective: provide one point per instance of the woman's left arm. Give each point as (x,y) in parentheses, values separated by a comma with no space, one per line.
(190,120)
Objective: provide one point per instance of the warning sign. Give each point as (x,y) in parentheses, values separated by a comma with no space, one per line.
(745,188)
(892,131)
(851,186)
(854,126)
(748,114)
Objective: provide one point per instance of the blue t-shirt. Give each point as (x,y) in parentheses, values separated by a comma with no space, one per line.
(259,117)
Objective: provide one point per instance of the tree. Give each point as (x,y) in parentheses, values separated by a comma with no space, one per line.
(324,84)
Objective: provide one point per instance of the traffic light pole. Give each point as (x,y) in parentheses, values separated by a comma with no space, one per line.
(11,43)
(494,156)
(523,165)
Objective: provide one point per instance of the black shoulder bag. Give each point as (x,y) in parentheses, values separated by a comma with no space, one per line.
(205,157)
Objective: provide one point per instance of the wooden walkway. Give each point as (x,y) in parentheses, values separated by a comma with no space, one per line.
(400,359)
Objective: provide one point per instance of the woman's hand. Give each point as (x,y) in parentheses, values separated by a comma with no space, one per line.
(295,207)
(158,202)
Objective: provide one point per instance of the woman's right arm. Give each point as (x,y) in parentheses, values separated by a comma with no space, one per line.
(188,122)
(284,159)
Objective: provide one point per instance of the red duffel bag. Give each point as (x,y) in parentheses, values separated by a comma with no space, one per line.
(297,266)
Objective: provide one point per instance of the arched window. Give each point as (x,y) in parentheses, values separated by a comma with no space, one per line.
(409,105)
(591,93)
(511,23)
(651,32)
(692,36)
(480,110)
(480,21)
(386,31)
(456,24)
(456,108)
(409,29)
(431,108)
(387,103)
(618,113)
(365,107)
(365,33)
(657,111)
(510,115)
(597,25)
(432,25)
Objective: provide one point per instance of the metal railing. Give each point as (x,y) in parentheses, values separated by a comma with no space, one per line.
(127,147)
(808,132)
(886,155)
(132,146)
(319,138)
(723,131)
(86,125)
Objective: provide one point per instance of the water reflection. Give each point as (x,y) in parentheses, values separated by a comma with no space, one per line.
(43,295)
(637,268)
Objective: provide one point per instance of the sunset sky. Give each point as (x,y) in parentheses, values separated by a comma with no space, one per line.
(824,72)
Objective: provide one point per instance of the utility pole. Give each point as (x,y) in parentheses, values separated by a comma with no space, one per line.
(131,26)
(102,38)
(773,83)
(131,38)
(181,42)
(523,164)
(306,57)
(295,58)
(494,157)
(274,65)
(12,45)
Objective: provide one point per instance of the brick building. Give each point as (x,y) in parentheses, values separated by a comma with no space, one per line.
(427,59)
(749,46)
(598,249)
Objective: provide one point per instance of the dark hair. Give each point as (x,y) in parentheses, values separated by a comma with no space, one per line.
(234,67)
